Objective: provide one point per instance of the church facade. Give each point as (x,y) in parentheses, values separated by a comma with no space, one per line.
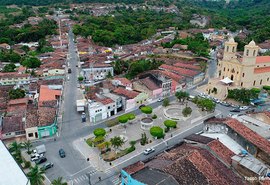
(247,71)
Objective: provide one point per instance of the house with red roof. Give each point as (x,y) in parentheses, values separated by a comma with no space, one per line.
(14,78)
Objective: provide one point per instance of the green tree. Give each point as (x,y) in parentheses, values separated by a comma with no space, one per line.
(31,62)
(80,78)
(58,181)
(109,75)
(206,104)
(27,145)
(117,142)
(170,124)
(123,119)
(147,110)
(181,96)
(132,143)
(157,132)
(144,139)
(166,102)
(99,132)
(16,93)
(36,175)
(186,111)
(9,68)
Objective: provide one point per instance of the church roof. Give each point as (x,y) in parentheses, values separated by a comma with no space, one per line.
(262,70)
(263,59)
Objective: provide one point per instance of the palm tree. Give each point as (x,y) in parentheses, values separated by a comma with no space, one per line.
(58,181)
(117,142)
(28,146)
(15,149)
(36,175)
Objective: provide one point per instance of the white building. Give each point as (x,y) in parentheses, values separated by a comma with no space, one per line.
(97,72)
(10,171)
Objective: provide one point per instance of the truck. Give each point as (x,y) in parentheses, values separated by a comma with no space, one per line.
(41,149)
(80,105)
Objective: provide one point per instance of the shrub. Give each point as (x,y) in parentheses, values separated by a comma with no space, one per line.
(98,140)
(99,132)
(266,87)
(154,116)
(156,131)
(131,116)
(131,149)
(166,102)
(112,122)
(27,164)
(123,119)
(186,111)
(89,142)
(170,124)
(147,110)
(256,90)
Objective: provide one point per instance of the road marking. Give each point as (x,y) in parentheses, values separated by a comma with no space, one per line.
(81,171)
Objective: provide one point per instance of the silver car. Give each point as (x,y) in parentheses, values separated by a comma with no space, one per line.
(148,151)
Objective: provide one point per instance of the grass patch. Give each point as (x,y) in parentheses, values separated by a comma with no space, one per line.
(112,122)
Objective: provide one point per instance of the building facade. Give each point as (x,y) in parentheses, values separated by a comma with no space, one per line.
(249,70)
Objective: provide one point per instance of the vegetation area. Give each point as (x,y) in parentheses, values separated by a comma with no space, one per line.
(16,93)
(243,95)
(157,132)
(205,104)
(133,68)
(181,96)
(147,110)
(196,44)
(186,111)
(169,124)
(125,27)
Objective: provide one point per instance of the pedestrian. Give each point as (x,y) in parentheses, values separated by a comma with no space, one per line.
(99,178)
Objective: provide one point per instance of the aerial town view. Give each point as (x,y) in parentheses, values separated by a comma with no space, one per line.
(135,92)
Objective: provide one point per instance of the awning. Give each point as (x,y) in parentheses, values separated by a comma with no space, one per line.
(227,80)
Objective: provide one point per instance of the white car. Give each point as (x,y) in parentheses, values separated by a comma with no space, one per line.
(160,99)
(244,108)
(36,156)
(148,151)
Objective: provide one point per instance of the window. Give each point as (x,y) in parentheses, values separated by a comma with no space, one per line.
(109,107)
(261,82)
(241,84)
(30,135)
(227,49)
(254,53)
(267,79)
(243,75)
(224,69)
(254,82)
(233,49)
(247,52)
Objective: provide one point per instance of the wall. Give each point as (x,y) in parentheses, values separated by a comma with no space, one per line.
(32,130)
(47,131)
(128,180)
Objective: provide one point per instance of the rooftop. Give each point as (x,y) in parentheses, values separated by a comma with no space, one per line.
(46,116)
(262,59)
(47,94)
(150,84)
(12,124)
(10,171)
(180,71)
(127,93)
(262,70)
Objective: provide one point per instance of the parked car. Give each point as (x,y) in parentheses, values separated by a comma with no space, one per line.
(235,110)
(47,166)
(225,104)
(148,151)
(190,97)
(160,99)
(62,153)
(36,156)
(41,160)
(244,108)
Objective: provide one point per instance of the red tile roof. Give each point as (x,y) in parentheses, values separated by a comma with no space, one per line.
(127,93)
(104,101)
(18,101)
(31,118)
(13,75)
(187,66)
(134,167)
(47,94)
(222,151)
(180,71)
(12,124)
(46,116)
(249,135)
(124,81)
(150,84)
(262,70)
(263,59)
(172,75)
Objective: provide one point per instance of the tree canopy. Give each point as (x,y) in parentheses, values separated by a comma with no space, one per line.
(31,62)
(170,123)
(16,93)
(99,132)
(157,132)
(147,110)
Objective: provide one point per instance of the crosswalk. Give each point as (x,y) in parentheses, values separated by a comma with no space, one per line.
(83,178)
(116,180)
